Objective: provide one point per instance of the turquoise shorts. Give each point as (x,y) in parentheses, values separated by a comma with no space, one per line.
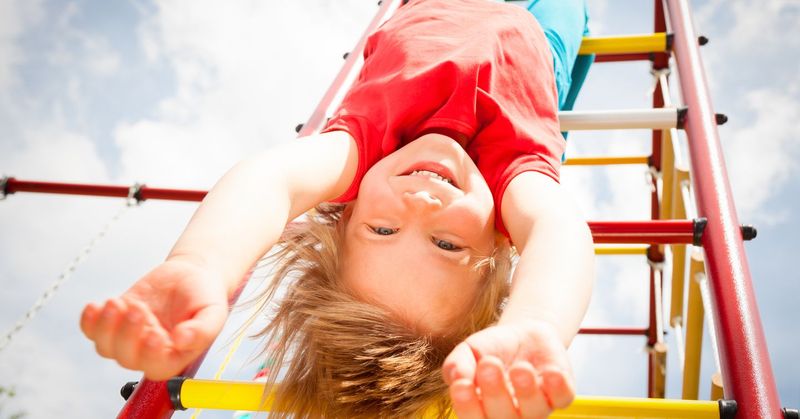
(565,23)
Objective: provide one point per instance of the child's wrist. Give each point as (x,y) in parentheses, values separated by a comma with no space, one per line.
(201,264)
(531,321)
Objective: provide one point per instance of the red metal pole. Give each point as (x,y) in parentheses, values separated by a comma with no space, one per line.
(648,232)
(630,331)
(746,370)
(655,253)
(613,58)
(141,193)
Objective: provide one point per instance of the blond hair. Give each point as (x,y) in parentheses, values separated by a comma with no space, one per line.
(348,358)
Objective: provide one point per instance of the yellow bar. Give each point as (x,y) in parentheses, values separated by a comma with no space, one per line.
(596,407)
(595,161)
(237,395)
(716,387)
(694,330)
(659,354)
(678,252)
(626,44)
(225,395)
(667,175)
(620,250)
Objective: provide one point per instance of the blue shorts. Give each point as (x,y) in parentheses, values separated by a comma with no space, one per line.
(565,23)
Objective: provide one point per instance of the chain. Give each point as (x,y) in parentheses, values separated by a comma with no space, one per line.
(65,275)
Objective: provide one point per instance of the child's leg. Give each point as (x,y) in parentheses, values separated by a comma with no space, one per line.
(565,22)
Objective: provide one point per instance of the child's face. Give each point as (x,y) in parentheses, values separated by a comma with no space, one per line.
(412,239)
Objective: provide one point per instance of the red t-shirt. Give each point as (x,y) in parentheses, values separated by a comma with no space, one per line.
(477,71)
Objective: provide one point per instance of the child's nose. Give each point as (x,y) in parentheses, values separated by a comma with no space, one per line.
(422,200)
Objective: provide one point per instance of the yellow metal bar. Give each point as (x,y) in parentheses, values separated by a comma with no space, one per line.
(667,175)
(716,387)
(659,375)
(237,395)
(678,251)
(620,250)
(626,44)
(596,407)
(694,330)
(225,395)
(596,161)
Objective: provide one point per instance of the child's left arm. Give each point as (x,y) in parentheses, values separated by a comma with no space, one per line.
(550,292)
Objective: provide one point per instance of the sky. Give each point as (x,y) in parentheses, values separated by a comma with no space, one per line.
(173,93)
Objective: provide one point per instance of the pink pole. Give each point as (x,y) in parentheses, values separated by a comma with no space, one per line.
(746,371)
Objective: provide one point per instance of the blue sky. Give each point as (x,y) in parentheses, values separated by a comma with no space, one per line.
(173,93)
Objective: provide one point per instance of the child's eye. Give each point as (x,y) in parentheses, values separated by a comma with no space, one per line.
(383,231)
(446,245)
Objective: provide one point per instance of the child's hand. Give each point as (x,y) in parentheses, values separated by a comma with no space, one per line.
(162,323)
(509,371)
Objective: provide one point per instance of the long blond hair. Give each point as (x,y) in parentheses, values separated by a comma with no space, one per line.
(348,358)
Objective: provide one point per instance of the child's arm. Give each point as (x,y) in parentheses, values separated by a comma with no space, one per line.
(172,314)
(551,289)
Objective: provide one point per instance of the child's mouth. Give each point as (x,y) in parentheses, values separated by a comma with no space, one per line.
(432,170)
(430,174)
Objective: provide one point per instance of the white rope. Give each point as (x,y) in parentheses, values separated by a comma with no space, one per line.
(65,275)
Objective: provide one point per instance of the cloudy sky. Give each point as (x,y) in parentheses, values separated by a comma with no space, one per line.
(172,93)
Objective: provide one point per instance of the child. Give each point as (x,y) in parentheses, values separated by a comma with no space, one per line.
(445,147)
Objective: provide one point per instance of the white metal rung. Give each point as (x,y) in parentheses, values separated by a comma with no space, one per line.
(659,118)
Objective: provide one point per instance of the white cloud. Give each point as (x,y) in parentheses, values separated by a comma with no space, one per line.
(15,16)
(51,152)
(246,74)
(763,155)
(752,63)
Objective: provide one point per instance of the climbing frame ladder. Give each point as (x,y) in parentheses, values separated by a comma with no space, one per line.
(689,206)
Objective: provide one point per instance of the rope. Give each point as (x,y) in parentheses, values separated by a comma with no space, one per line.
(65,275)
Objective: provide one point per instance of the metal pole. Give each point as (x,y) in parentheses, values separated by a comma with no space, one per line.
(746,370)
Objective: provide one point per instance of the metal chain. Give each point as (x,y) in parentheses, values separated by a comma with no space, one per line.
(65,275)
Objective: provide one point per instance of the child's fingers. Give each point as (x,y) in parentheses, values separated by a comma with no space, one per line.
(497,400)
(558,387)
(528,392)
(129,338)
(107,326)
(154,356)
(465,400)
(461,363)
(89,317)
(200,331)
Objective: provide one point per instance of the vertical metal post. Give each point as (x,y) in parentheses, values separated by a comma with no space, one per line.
(655,253)
(746,370)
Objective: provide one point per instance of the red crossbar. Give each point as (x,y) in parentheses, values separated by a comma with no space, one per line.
(629,331)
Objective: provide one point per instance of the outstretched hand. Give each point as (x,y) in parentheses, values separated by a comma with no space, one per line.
(162,323)
(510,371)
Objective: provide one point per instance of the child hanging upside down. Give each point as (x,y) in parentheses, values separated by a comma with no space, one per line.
(445,152)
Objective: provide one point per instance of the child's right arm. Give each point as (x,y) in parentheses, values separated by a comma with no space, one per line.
(172,314)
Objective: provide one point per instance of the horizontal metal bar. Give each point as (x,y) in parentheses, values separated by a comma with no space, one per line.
(620,251)
(626,331)
(604,161)
(644,232)
(625,44)
(658,118)
(616,58)
(142,192)
(253,396)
